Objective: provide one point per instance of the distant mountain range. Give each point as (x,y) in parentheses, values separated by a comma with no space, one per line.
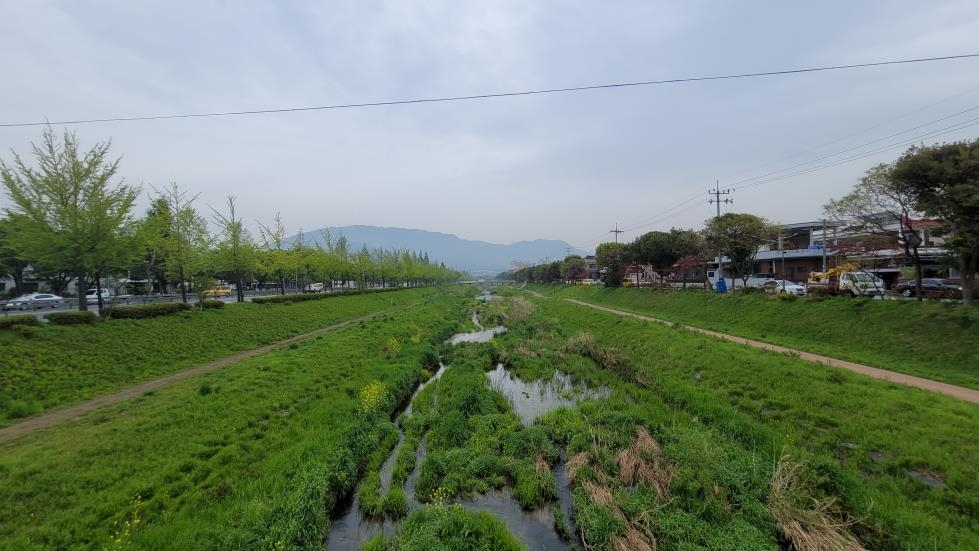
(475,257)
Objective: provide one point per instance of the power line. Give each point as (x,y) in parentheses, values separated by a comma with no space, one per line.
(941,131)
(738,176)
(854,148)
(495,95)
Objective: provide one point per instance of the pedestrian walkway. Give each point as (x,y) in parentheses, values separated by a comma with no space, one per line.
(58,416)
(962,393)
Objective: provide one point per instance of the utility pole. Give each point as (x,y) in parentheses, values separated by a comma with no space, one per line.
(824,244)
(616,231)
(716,199)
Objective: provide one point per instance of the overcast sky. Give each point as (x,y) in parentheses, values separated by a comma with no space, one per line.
(563,166)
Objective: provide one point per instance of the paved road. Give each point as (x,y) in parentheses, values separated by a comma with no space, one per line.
(962,393)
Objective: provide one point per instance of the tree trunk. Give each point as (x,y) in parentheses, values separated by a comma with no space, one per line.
(239,286)
(82,305)
(98,291)
(282,283)
(183,285)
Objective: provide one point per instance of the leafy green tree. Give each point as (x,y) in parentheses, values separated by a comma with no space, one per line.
(877,205)
(943,180)
(10,262)
(573,268)
(65,212)
(738,237)
(611,260)
(236,253)
(181,237)
(276,258)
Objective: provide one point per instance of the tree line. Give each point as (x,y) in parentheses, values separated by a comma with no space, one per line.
(939,181)
(67,219)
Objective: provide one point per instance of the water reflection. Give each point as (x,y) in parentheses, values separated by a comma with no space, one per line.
(532,399)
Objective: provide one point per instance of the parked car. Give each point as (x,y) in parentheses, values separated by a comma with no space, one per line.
(775,286)
(92,295)
(219,291)
(34,300)
(943,287)
(314,288)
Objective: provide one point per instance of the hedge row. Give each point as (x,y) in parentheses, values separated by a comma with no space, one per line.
(72,318)
(10,321)
(146,310)
(281,299)
(211,303)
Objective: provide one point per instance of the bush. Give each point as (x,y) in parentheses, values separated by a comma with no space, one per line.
(22,320)
(72,318)
(211,303)
(287,299)
(146,310)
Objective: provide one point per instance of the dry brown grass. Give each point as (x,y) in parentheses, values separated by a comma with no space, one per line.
(574,464)
(633,541)
(643,461)
(579,343)
(540,463)
(520,309)
(808,529)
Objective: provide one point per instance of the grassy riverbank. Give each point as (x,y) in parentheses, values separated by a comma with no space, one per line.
(934,340)
(253,456)
(58,365)
(742,442)
(702,443)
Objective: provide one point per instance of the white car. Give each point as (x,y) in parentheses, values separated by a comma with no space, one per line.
(34,300)
(92,296)
(776,286)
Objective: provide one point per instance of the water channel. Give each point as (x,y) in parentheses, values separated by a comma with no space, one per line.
(535,529)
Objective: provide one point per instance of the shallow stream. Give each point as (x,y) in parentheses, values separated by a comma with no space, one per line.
(535,529)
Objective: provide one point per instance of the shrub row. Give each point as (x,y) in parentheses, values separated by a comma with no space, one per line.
(281,299)
(146,310)
(72,318)
(10,321)
(211,303)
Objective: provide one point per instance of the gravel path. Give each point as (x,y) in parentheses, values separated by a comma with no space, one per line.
(962,393)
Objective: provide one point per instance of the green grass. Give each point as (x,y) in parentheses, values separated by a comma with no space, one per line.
(934,340)
(724,415)
(448,528)
(55,366)
(257,460)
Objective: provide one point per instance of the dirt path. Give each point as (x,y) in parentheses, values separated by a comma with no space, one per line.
(962,393)
(57,416)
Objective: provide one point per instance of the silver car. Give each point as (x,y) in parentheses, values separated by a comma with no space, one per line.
(34,300)
(776,286)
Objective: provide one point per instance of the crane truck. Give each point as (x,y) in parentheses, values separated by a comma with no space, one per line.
(847,279)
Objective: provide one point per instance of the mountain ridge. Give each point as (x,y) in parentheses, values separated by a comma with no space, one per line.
(471,255)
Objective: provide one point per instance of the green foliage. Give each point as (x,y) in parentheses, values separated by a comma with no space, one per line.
(142,311)
(738,237)
(24,319)
(720,412)
(450,527)
(65,212)
(396,504)
(72,318)
(943,181)
(262,464)
(211,304)
(610,258)
(65,364)
(902,336)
